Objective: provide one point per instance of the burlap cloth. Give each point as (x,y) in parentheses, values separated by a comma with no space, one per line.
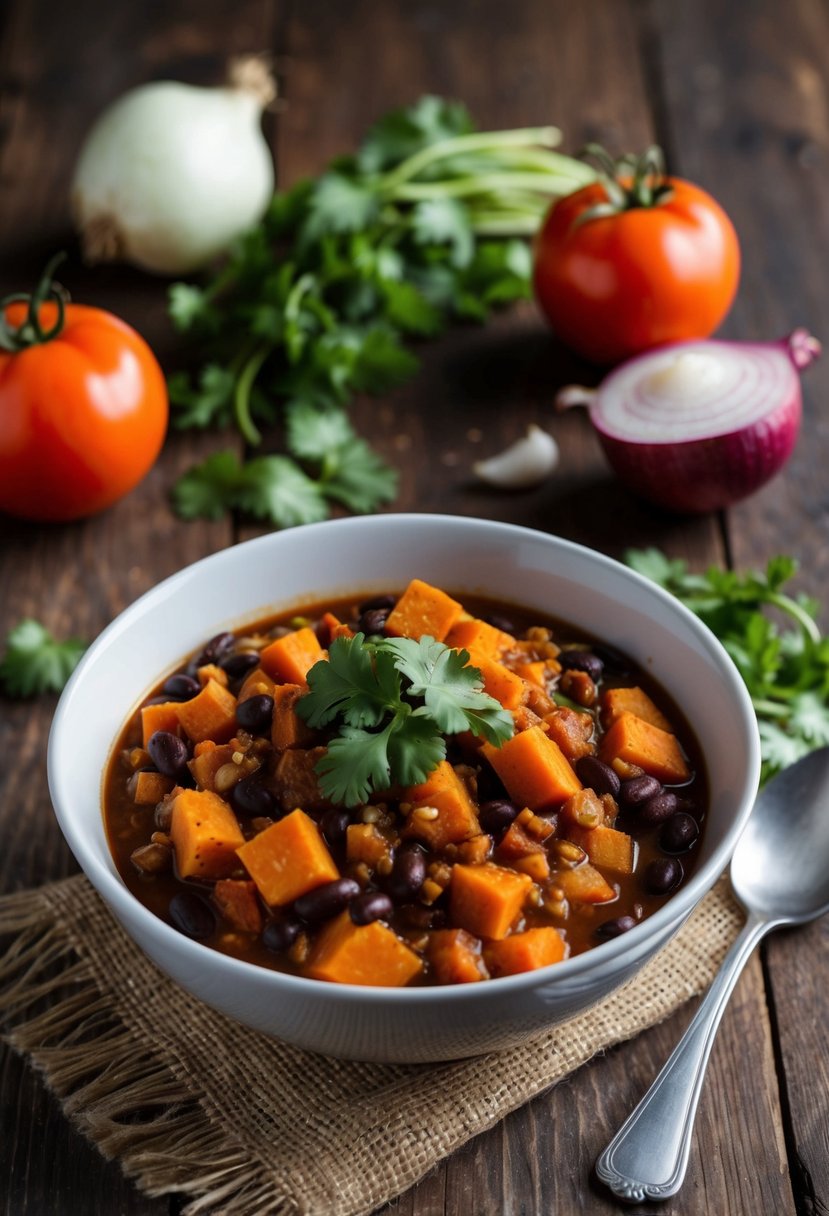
(238,1123)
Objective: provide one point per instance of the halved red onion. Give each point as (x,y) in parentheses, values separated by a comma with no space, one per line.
(696,426)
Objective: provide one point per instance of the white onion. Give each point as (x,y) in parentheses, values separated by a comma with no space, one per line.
(525,463)
(697,426)
(171,174)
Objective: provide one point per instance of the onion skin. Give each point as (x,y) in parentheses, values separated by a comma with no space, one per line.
(709,473)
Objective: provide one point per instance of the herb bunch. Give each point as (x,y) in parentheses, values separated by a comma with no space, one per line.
(36,662)
(773,639)
(393,701)
(422,226)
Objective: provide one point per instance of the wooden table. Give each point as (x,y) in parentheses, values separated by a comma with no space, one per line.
(738,95)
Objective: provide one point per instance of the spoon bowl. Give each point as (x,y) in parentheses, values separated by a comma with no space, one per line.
(780,874)
(780,867)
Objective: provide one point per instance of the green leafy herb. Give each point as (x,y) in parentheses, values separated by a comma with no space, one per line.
(36,662)
(276,489)
(773,639)
(424,225)
(394,700)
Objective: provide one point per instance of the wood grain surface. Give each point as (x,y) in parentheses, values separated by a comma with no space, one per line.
(737,94)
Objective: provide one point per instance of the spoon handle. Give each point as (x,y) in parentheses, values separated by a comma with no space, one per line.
(648,1156)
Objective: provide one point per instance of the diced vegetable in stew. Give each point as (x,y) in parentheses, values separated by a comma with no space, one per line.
(420,788)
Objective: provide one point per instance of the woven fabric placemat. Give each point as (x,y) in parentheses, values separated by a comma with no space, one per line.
(191,1102)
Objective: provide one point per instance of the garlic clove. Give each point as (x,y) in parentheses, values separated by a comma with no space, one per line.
(525,463)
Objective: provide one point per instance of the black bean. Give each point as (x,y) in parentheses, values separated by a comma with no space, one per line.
(255,713)
(216,649)
(378,601)
(192,915)
(280,935)
(373,620)
(582,660)
(408,873)
(250,797)
(163,814)
(615,927)
(168,752)
(327,900)
(334,825)
(679,833)
(637,790)
(657,809)
(662,875)
(181,687)
(497,621)
(612,659)
(238,665)
(370,906)
(599,776)
(495,816)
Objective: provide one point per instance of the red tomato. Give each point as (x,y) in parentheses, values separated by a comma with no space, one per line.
(620,283)
(82,415)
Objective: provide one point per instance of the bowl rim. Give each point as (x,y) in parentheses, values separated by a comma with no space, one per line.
(129,908)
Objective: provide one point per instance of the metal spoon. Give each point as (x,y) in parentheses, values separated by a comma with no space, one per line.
(780,874)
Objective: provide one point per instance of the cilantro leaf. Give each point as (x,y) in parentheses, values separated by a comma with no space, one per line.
(409,310)
(312,433)
(403,132)
(275,489)
(386,735)
(773,640)
(355,682)
(445,221)
(357,477)
(207,403)
(207,491)
(452,691)
(339,204)
(37,662)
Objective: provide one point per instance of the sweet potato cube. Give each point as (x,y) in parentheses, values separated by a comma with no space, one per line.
(454,957)
(423,611)
(205,835)
(537,865)
(287,728)
(288,859)
(517,842)
(363,842)
(525,951)
(149,788)
(257,683)
(478,637)
(297,781)
(208,758)
(534,673)
(636,741)
(211,671)
(211,714)
(236,901)
(486,900)
(607,847)
(571,730)
(585,885)
(456,818)
(289,659)
(534,770)
(345,953)
(617,701)
(335,627)
(501,683)
(160,717)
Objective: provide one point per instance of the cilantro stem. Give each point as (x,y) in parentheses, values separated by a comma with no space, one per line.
(786,604)
(241,395)
(489,183)
(770,709)
(482,141)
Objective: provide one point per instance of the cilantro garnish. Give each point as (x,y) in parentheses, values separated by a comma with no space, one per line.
(394,700)
(783,658)
(37,662)
(341,468)
(425,225)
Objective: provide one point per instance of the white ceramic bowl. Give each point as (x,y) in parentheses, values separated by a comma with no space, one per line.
(373,554)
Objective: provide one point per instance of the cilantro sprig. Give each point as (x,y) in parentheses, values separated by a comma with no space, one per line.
(36,662)
(393,701)
(772,637)
(424,225)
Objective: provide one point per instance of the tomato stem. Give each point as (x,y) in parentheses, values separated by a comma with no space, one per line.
(629,182)
(15,338)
